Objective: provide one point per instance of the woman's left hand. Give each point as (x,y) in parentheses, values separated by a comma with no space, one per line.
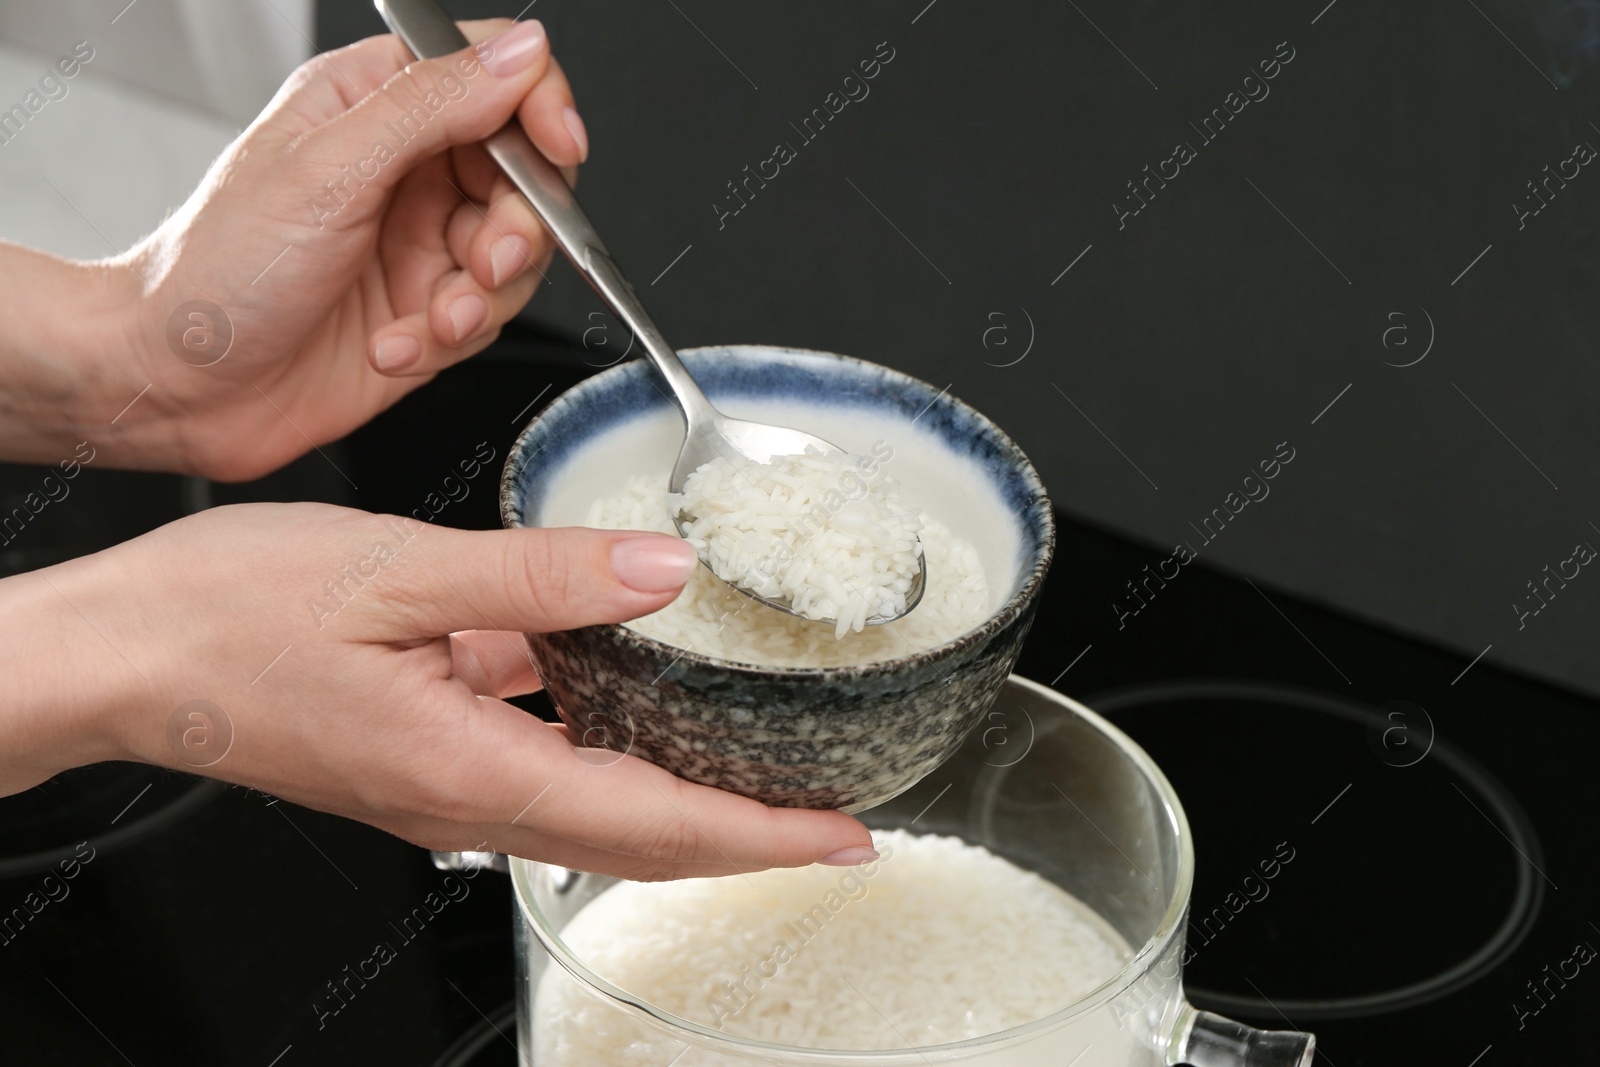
(353,242)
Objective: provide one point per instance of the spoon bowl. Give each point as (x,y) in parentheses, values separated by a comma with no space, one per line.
(762,442)
(429,32)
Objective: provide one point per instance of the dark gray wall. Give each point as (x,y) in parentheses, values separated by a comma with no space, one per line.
(932,221)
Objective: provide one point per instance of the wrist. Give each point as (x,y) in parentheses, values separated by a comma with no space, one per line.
(70,361)
(77,683)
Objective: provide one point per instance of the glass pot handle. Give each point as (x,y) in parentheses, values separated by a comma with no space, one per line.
(1208,1040)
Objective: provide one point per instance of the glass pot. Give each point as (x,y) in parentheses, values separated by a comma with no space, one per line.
(1055,789)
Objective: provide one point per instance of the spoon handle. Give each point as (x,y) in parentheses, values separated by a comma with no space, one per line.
(428,32)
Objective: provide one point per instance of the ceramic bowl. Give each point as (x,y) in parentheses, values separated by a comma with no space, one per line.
(832,737)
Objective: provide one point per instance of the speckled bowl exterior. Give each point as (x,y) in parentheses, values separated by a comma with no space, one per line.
(837,737)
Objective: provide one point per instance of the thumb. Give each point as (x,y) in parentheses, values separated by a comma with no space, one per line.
(434,104)
(532,580)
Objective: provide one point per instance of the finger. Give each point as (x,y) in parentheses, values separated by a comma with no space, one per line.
(408,348)
(428,234)
(494,663)
(461,320)
(511,240)
(550,118)
(531,845)
(579,857)
(404,347)
(462,310)
(550,115)
(623,804)
(335,81)
(509,216)
(412,241)
(532,580)
(465,221)
(499,241)
(477,172)
(430,105)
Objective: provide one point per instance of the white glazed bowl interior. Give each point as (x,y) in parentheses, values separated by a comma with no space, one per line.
(947,483)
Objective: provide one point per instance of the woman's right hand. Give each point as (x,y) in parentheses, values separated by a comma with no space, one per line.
(361,661)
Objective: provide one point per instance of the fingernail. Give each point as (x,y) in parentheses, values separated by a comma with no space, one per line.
(854,856)
(510,52)
(467,313)
(507,257)
(579,134)
(397,353)
(653,564)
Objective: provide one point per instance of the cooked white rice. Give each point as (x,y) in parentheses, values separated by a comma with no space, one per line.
(824,531)
(710,618)
(938,941)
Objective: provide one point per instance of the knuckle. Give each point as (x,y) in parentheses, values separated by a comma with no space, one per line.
(427,773)
(403,596)
(531,565)
(510,212)
(671,839)
(652,871)
(402,95)
(304,76)
(424,88)
(766,850)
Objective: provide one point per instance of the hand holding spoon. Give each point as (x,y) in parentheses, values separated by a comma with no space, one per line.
(428,32)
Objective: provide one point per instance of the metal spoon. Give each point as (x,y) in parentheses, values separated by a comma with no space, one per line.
(428,32)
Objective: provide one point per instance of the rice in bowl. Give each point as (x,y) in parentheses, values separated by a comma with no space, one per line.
(712,619)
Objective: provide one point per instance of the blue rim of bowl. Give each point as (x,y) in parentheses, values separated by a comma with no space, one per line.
(1037,510)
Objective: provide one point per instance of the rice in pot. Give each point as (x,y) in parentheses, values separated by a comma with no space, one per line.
(938,941)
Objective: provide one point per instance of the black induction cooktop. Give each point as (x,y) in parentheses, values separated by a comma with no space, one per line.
(1428,820)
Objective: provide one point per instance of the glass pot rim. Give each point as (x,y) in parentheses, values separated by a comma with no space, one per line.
(1138,965)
